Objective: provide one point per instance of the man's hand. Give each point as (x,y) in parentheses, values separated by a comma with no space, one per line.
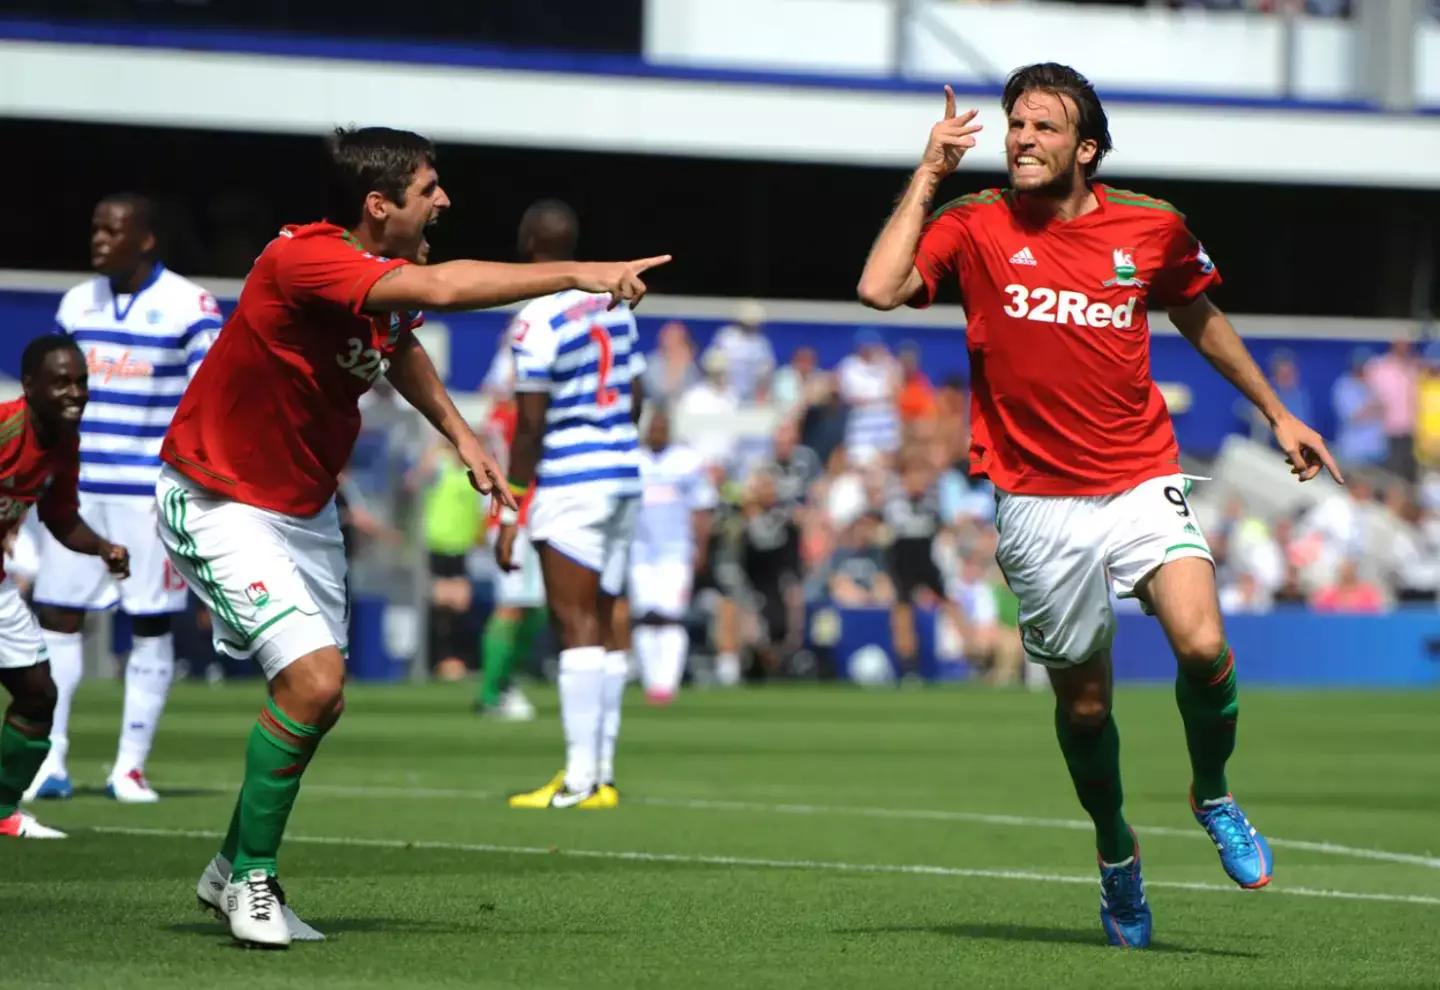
(485,474)
(505,547)
(116,558)
(619,278)
(1305,449)
(949,139)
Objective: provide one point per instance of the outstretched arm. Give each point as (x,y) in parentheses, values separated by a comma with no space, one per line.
(1209,331)
(461,285)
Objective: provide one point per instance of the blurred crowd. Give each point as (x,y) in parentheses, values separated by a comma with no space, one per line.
(849,486)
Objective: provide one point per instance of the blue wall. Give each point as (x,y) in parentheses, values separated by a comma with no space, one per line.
(474,336)
(1298,649)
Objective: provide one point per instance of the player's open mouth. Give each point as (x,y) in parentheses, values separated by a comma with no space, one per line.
(1028,161)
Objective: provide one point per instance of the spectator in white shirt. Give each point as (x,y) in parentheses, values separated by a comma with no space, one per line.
(704,414)
(749,358)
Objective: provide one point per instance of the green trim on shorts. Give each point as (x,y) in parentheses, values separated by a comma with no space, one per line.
(175,511)
(250,638)
(1186,546)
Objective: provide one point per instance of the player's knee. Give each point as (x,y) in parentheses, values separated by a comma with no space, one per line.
(312,689)
(150,626)
(1087,712)
(577,626)
(53,618)
(35,698)
(1200,647)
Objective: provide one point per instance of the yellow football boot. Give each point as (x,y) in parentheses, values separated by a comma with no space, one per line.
(556,795)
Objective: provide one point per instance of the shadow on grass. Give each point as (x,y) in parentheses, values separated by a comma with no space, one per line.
(92,791)
(1037,933)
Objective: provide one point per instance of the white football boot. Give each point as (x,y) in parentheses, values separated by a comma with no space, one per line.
(131,788)
(257,917)
(515,707)
(22,825)
(210,893)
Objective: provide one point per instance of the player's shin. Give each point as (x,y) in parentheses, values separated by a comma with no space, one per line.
(148,675)
(617,668)
(673,645)
(23,746)
(582,709)
(497,657)
(1092,755)
(1209,704)
(280,748)
(67,663)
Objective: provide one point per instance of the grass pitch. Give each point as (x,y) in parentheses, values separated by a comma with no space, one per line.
(786,837)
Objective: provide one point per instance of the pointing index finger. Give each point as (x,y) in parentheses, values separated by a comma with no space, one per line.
(655,262)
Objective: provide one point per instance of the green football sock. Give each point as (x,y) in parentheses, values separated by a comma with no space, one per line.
(1209,704)
(230,848)
(531,624)
(279,750)
(23,745)
(1093,758)
(497,657)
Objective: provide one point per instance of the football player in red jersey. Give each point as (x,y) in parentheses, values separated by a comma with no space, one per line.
(246,500)
(39,466)
(1058,274)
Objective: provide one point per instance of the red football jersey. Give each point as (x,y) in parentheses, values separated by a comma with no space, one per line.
(1062,402)
(47,477)
(271,417)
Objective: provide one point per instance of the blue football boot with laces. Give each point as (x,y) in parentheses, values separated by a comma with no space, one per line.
(1124,912)
(1243,851)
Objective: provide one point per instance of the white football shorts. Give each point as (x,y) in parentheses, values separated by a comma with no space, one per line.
(75,580)
(21,644)
(1063,555)
(660,588)
(593,529)
(275,584)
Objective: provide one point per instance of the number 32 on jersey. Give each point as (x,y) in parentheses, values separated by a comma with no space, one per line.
(365,363)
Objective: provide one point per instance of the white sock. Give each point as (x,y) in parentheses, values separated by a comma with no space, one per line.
(147,683)
(672,647)
(582,709)
(67,663)
(617,665)
(727,669)
(643,641)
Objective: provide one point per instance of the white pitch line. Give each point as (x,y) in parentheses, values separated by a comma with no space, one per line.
(911,814)
(770,864)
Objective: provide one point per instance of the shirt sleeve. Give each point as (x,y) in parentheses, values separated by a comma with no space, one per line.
(938,254)
(61,501)
(329,272)
(637,362)
(533,344)
(1186,270)
(200,332)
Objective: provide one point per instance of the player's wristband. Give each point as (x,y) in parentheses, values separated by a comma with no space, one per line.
(517,489)
(508,516)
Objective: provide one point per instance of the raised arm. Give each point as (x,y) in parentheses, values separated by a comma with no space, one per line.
(461,285)
(890,278)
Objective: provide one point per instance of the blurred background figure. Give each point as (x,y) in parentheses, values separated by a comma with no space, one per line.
(749,358)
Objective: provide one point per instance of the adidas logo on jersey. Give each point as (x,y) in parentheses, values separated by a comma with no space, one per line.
(1023,257)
